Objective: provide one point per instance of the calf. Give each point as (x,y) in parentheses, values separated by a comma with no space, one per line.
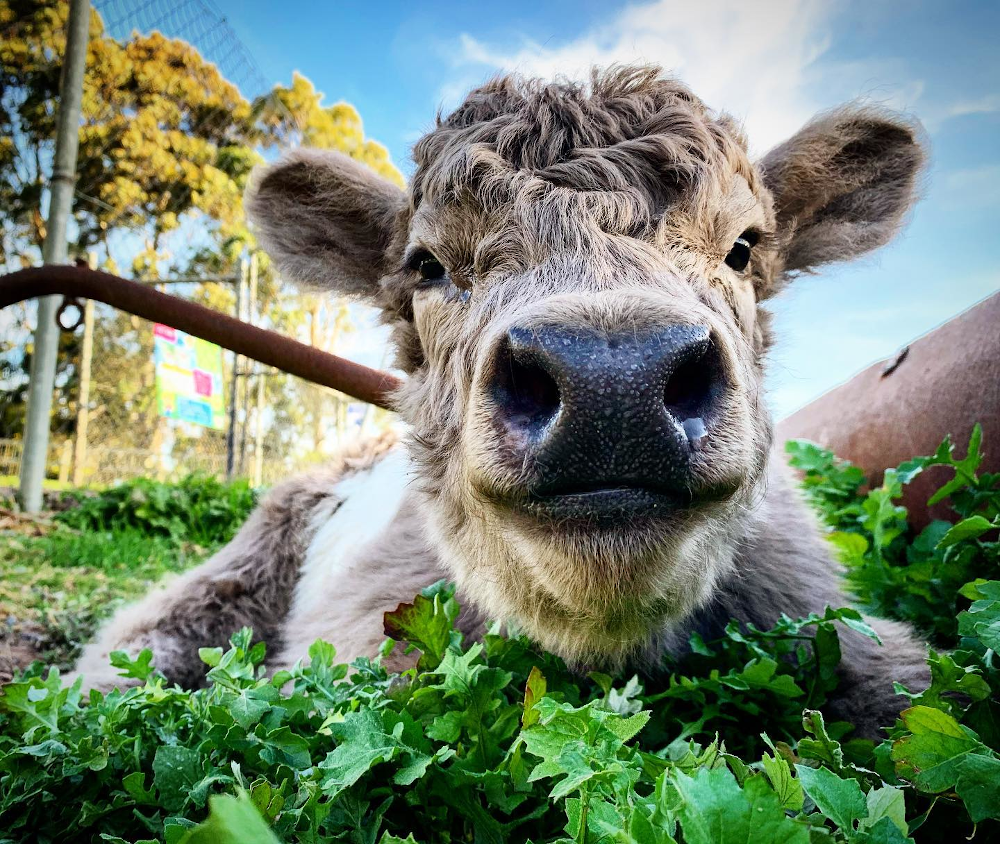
(575,282)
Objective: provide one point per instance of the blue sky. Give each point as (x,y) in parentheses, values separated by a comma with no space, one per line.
(773,64)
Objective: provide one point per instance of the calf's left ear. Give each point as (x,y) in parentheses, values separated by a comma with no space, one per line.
(843,184)
(326,220)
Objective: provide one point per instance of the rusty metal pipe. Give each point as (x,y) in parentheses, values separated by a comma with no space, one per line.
(267,347)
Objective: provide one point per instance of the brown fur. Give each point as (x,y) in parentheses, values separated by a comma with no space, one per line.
(608,207)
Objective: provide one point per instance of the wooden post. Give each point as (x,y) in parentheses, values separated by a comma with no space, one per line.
(83,396)
(65,459)
(251,319)
(258,435)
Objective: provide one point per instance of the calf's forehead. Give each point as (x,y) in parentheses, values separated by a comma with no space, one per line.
(629,155)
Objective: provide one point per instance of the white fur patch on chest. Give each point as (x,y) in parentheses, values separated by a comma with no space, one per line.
(370,501)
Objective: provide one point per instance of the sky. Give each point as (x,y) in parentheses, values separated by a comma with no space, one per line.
(771,63)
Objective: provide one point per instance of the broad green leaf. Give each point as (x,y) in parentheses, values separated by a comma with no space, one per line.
(932,754)
(231,820)
(427,624)
(175,772)
(628,728)
(714,810)
(389,838)
(883,831)
(247,706)
(841,800)
(135,785)
(534,690)
(886,802)
(786,787)
(139,668)
(362,743)
(950,683)
(37,703)
(970,528)
(979,786)
(982,620)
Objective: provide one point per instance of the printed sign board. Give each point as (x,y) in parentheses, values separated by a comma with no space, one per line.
(188,378)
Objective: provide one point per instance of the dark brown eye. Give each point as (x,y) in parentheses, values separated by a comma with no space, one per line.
(739,255)
(430,268)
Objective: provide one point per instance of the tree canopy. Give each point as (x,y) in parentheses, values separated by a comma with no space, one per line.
(165,136)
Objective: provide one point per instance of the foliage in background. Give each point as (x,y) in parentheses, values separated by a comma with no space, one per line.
(199,509)
(893,572)
(164,134)
(495,741)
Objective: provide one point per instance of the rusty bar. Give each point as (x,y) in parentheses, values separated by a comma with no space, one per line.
(268,347)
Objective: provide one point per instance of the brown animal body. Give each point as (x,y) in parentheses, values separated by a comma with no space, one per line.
(575,282)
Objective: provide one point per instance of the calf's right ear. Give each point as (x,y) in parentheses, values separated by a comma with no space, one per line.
(326,220)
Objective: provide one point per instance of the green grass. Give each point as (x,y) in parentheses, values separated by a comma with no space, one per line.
(110,548)
(62,585)
(494,741)
(48,483)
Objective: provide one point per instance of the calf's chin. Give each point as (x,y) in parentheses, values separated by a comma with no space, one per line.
(596,598)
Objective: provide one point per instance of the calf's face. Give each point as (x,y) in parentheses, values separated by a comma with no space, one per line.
(575,279)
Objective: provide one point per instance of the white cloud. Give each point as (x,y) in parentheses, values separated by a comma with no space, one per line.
(982,105)
(751,59)
(935,114)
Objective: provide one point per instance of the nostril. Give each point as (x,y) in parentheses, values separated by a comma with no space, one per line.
(693,385)
(527,397)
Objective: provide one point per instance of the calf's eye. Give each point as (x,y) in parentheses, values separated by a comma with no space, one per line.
(430,268)
(739,255)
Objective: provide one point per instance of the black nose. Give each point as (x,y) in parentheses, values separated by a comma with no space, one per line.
(586,411)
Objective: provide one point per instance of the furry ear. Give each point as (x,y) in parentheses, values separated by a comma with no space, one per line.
(326,220)
(842,184)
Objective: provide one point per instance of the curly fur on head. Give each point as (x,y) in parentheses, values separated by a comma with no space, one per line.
(631,139)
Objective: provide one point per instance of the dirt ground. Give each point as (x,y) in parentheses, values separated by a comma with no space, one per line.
(19,647)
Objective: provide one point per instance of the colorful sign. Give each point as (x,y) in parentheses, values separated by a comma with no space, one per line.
(188,378)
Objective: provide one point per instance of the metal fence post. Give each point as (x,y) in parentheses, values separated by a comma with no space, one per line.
(234,384)
(46,341)
(83,402)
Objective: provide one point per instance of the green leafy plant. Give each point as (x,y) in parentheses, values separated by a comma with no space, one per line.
(198,509)
(893,571)
(494,741)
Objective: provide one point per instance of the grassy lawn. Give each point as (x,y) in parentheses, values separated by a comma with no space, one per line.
(58,486)
(60,576)
(56,588)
